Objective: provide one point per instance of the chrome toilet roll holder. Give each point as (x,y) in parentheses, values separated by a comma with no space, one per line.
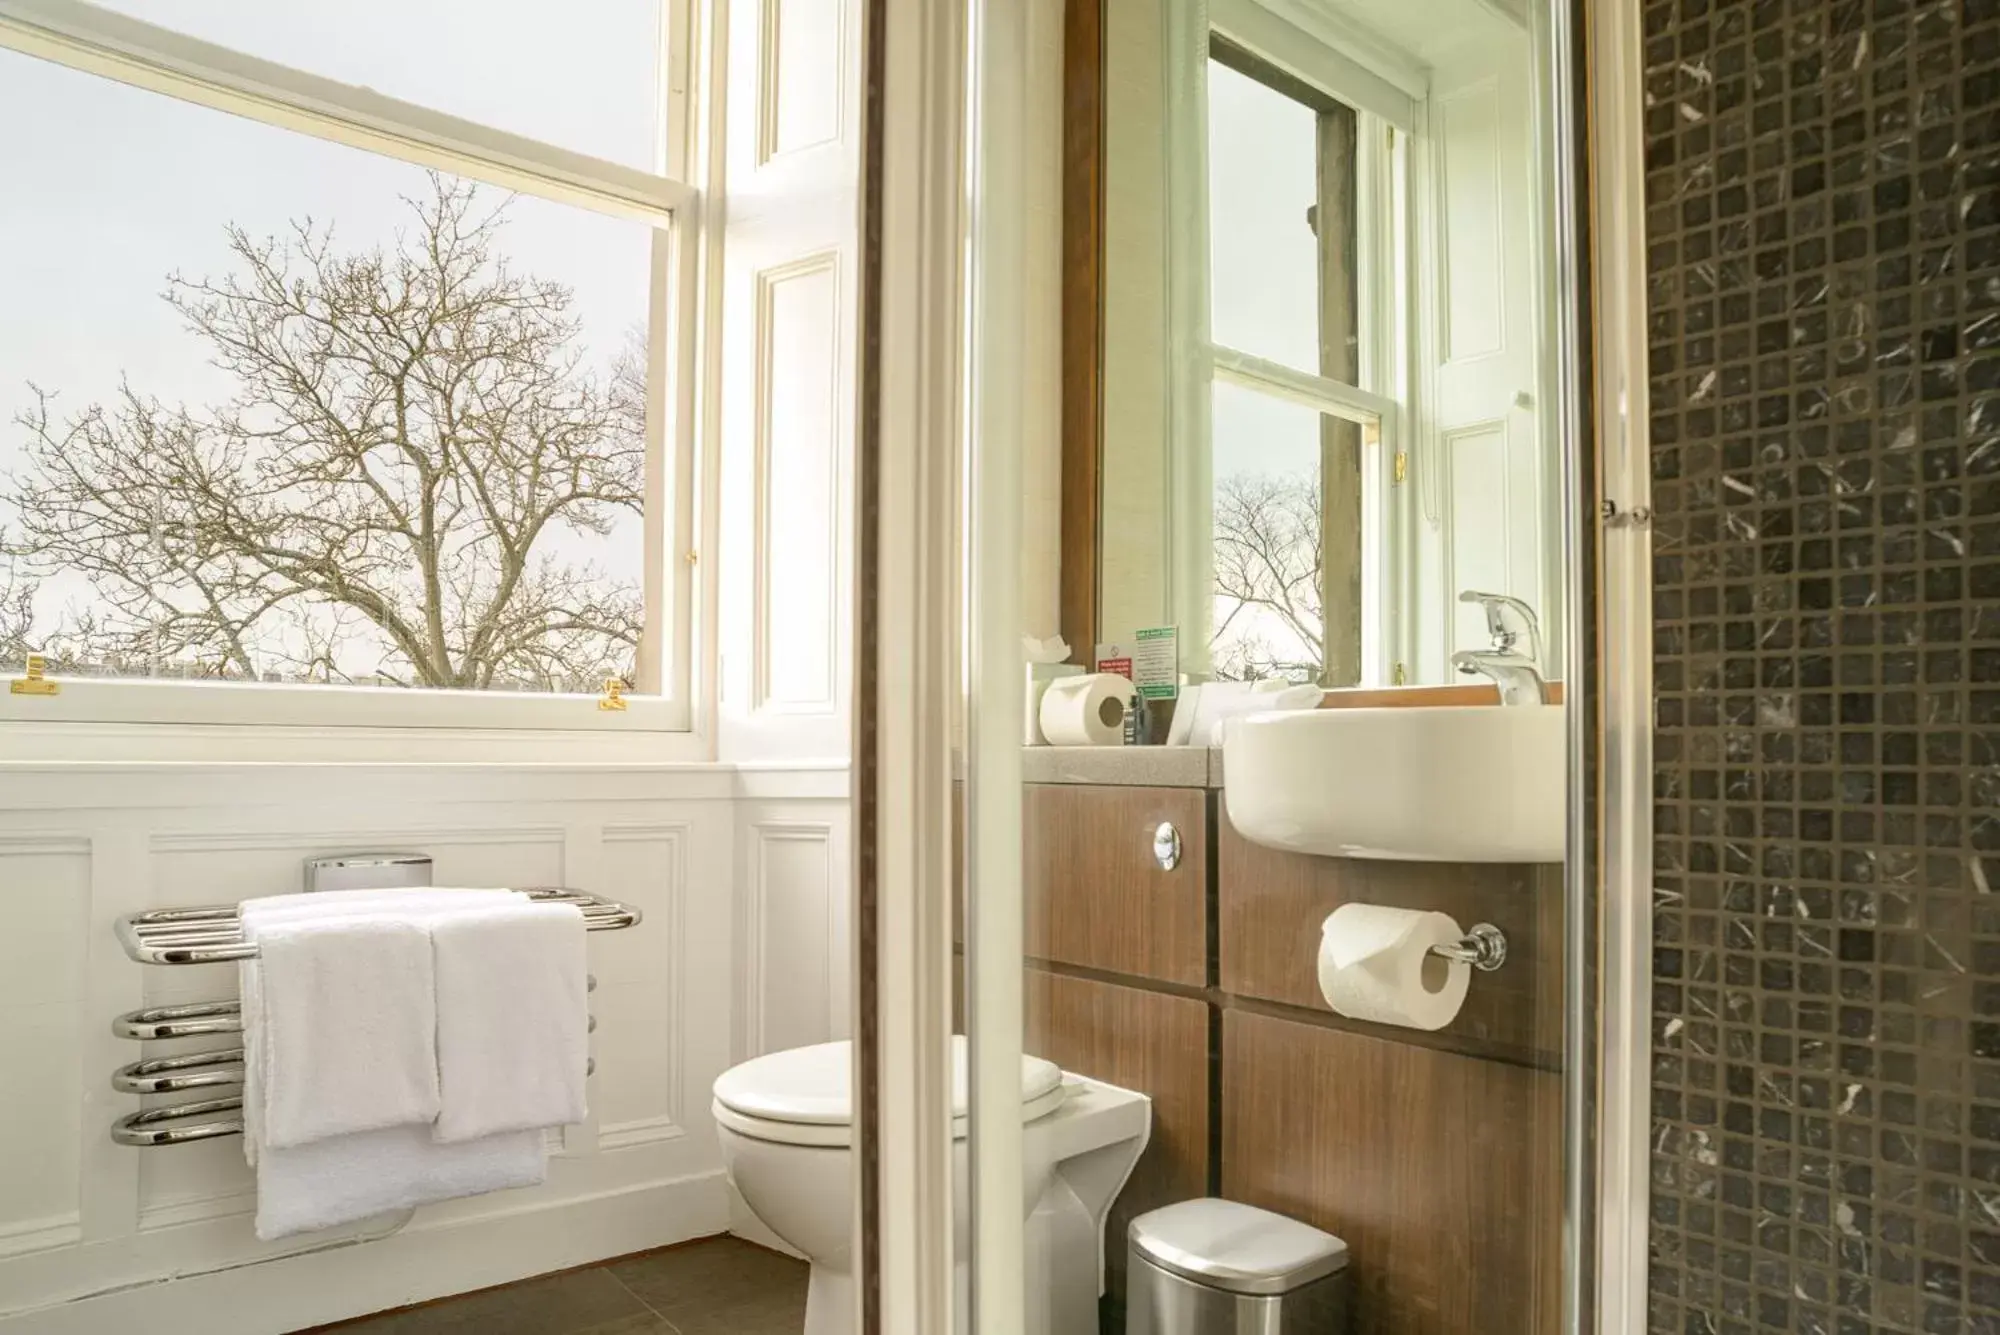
(1484,947)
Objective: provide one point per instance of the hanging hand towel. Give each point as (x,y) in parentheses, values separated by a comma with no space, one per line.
(348,1178)
(511,1019)
(345,1022)
(419,904)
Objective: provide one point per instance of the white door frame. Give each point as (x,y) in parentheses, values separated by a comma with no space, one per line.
(908,494)
(1623,602)
(920,188)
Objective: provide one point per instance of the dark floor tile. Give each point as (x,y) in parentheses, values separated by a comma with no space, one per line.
(580,1302)
(701,1284)
(776,1314)
(650,1323)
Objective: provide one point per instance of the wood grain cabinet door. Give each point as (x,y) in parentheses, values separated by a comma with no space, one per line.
(1096,893)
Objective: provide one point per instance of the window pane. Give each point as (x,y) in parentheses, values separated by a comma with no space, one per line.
(276,409)
(1281,194)
(585,77)
(1287,541)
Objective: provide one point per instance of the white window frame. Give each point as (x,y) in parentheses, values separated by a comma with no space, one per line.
(97,41)
(1308,45)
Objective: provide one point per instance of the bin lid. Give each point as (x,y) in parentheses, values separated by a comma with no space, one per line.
(1235,1247)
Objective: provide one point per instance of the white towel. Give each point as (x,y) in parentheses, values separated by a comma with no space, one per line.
(259,914)
(351,1177)
(348,1178)
(512,1021)
(345,1021)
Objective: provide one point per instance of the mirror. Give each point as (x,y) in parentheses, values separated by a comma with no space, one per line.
(1319,301)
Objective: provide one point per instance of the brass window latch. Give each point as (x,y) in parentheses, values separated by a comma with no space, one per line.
(34,678)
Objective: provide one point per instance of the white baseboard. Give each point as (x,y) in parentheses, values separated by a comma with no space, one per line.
(425,1261)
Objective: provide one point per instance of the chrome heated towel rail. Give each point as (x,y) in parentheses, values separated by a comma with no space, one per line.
(215,936)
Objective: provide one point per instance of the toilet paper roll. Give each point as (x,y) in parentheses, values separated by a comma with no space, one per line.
(1086,711)
(1375,964)
(1038,679)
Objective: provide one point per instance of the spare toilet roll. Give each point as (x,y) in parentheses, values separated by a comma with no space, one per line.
(1375,964)
(1086,711)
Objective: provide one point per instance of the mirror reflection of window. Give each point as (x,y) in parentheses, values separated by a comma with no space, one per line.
(1285,448)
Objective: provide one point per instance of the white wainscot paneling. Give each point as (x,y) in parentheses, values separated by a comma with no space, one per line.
(44,891)
(636,1097)
(88,1227)
(794,975)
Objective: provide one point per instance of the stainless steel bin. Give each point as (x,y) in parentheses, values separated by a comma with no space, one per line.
(1214,1267)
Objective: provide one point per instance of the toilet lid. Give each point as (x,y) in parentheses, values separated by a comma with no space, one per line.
(812,1086)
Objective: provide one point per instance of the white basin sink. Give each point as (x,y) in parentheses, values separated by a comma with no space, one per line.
(1428,784)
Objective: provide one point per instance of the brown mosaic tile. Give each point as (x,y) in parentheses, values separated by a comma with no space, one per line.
(1823,230)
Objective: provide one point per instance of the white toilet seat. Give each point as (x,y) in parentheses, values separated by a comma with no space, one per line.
(804,1096)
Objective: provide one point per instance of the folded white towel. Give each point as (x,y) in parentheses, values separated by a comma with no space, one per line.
(347,1178)
(261,914)
(346,1017)
(511,1019)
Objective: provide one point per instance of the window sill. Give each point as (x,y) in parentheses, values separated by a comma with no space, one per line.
(24,742)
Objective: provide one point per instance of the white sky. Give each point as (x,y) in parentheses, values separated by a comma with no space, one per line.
(110,188)
(1263,174)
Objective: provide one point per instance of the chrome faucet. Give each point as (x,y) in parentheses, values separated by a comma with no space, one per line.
(1514,667)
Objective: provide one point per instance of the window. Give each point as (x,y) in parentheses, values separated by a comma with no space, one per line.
(351,409)
(1301,248)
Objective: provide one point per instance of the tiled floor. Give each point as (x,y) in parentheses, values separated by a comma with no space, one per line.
(710,1287)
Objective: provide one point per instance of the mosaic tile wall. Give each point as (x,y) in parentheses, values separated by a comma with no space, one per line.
(1824,268)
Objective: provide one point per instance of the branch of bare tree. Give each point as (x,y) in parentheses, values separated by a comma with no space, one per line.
(417,449)
(1267,578)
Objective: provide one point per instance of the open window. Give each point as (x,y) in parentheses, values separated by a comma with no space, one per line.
(1304,291)
(341,385)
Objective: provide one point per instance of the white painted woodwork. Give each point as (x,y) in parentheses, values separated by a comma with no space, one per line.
(1134,507)
(741,865)
(786,406)
(798,485)
(1041,288)
(83,1221)
(1483,465)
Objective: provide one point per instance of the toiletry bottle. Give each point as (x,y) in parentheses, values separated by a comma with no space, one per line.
(1138,728)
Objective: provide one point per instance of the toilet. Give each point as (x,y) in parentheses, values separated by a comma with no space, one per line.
(786,1125)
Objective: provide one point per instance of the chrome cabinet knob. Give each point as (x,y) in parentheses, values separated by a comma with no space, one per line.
(1167,846)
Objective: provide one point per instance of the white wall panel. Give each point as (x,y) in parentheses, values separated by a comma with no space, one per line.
(1484,466)
(793,974)
(44,891)
(1469,133)
(786,379)
(1477,527)
(800,338)
(80,1216)
(39,1186)
(802,72)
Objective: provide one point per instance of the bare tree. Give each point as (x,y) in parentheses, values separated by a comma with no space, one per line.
(414,430)
(1267,578)
(17,610)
